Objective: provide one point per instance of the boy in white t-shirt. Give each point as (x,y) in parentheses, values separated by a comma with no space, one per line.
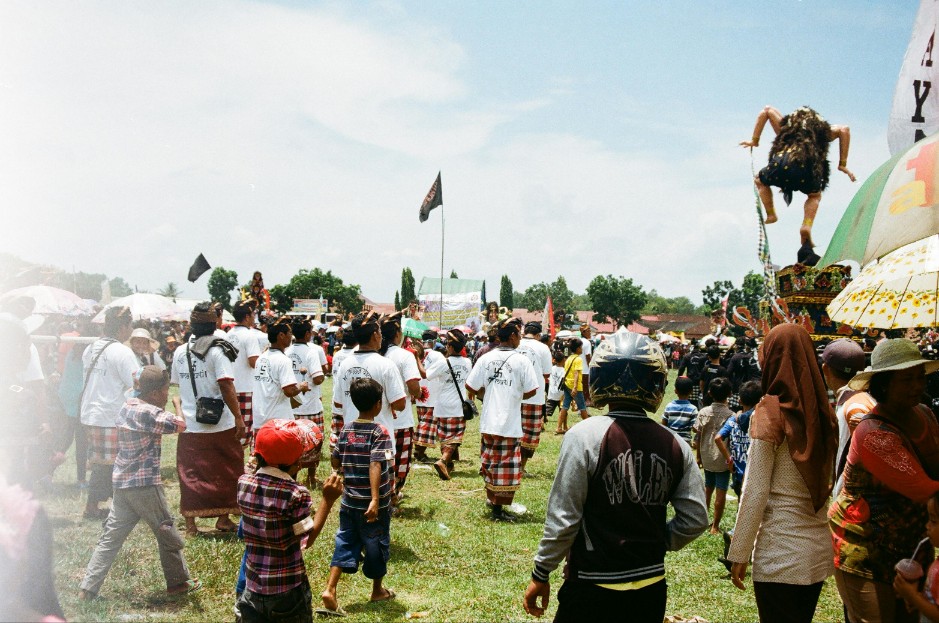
(554,384)
(307,367)
(242,337)
(274,380)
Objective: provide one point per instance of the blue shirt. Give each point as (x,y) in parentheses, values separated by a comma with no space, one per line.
(681,415)
(736,429)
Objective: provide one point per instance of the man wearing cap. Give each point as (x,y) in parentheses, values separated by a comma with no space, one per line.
(841,360)
(109,367)
(249,349)
(502,378)
(426,433)
(138,490)
(533,408)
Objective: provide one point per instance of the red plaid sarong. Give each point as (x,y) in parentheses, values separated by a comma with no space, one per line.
(450,430)
(501,467)
(335,424)
(532,424)
(426,434)
(402,455)
(102,445)
(245,403)
(311,458)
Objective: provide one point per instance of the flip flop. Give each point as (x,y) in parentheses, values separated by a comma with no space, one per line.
(326,612)
(189,586)
(389,595)
(231,528)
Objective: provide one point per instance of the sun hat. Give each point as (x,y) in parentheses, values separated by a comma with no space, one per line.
(890,356)
(283,442)
(143,334)
(845,356)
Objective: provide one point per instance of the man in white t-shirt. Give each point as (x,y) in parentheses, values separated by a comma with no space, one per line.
(533,408)
(109,367)
(305,360)
(411,372)
(503,378)
(242,338)
(585,359)
(425,436)
(367,363)
(349,345)
(209,456)
(274,381)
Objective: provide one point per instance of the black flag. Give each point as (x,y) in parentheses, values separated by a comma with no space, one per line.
(198,267)
(433,199)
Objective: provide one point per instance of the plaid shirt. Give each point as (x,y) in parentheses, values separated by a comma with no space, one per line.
(139,427)
(275,511)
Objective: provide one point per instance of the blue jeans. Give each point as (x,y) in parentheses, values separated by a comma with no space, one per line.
(578,399)
(356,536)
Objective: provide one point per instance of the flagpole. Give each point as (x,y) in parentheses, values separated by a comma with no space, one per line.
(440,321)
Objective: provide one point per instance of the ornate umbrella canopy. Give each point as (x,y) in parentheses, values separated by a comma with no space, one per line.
(146,306)
(51,300)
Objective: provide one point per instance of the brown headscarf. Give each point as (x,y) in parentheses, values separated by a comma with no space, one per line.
(795,408)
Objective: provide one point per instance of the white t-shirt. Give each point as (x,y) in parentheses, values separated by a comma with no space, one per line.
(554,383)
(540,357)
(261,337)
(244,340)
(368,365)
(340,355)
(305,356)
(588,348)
(505,375)
(407,366)
(448,399)
(207,375)
(33,371)
(432,359)
(272,373)
(112,376)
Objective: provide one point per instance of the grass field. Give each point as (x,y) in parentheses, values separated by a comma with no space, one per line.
(448,561)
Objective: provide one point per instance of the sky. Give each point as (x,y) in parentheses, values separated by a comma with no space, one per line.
(574,139)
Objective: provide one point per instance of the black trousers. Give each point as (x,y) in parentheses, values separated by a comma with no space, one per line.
(585,601)
(786,603)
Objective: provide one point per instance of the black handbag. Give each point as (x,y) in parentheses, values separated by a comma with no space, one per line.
(469,406)
(208,410)
(562,385)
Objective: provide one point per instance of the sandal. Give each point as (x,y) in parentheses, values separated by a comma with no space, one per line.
(389,595)
(189,586)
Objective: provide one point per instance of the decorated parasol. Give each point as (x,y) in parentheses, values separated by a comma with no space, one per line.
(51,300)
(413,328)
(146,306)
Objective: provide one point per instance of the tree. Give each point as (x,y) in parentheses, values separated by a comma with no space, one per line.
(581,302)
(535,296)
(221,282)
(119,287)
(657,304)
(170,291)
(505,293)
(310,284)
(397,301)
(482,295)
(714,294)
(751,292)
(616,299)
(408,295)
(453,274)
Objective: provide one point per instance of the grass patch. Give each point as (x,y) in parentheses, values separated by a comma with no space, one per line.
(447,558)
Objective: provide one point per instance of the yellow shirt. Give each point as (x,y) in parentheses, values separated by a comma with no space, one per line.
(574,377)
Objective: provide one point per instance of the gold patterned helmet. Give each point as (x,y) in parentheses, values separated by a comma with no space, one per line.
(628,370)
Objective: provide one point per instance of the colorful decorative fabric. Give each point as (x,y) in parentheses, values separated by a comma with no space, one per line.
(501,467)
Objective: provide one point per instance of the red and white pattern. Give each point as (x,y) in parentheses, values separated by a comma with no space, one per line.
(335,424)
(312,457)
(102,445)
(426,434)
(246,404)
(403,451)
(532,423)
(501,467)
(450,430)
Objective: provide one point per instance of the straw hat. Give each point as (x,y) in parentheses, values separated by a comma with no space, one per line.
(892,355)
(143,334)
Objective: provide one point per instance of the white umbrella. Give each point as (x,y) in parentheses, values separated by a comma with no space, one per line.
(665,337)
(144,306)
(51,300)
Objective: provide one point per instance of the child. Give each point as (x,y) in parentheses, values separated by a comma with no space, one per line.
(138,490)
(925,602)
(716,472)
(681,414)
(573,385)
(363,453)
(736,430)
(554,384)
(277,525)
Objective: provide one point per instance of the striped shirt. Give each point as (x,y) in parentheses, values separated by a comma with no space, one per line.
(360,444)
(680,416)
(275,513)
(139,429)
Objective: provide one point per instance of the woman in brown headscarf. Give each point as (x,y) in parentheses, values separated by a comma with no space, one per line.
(781,519)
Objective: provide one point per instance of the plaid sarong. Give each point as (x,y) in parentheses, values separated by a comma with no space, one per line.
(311,458)
(501,467)
(335,424)
(734,402)
(102,445)
(532,424)
(426,434)
(402,455)
(696,395)
(245,403)
(450,430)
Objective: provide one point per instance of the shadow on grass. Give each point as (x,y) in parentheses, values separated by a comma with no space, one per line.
(413,512)
(386,610)
(402,553)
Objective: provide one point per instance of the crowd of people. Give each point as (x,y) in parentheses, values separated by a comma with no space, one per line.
(833,453)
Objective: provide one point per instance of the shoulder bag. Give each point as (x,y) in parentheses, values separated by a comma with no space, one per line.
(94,362)
(208,410)
(469,406)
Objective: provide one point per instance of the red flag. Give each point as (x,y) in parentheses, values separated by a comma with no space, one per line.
(548,317)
